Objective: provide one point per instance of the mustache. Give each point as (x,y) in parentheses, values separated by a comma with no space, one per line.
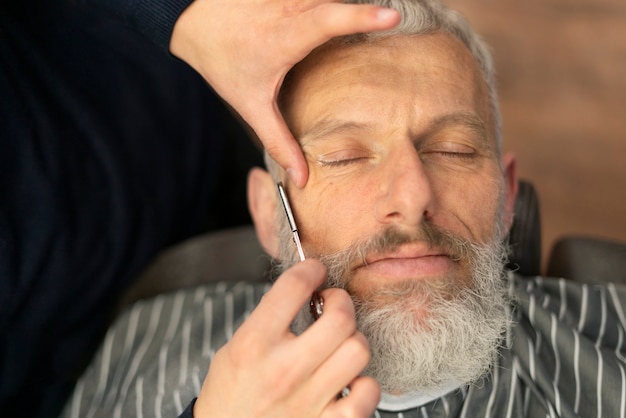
(341,263)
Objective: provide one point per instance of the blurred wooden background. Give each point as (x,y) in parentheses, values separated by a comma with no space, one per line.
(562,80)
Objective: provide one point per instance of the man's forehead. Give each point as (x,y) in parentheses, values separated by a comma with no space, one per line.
(337,51)
(354,73)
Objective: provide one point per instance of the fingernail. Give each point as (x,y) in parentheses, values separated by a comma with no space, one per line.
(387,14)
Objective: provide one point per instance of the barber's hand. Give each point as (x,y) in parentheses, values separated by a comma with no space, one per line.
(244,48)
(267,371)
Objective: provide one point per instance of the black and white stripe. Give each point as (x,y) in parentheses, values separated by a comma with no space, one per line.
(564,356)
(154,358)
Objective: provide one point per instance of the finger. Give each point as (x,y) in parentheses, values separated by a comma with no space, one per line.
(279,306)
(280,144)
(323,338)
(328,20)
(361,402)
(336,325)
(341,368)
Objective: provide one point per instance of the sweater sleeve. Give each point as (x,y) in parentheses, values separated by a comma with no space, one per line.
(154,19)
(188,412)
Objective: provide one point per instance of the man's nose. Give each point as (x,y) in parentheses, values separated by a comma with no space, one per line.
(406,194)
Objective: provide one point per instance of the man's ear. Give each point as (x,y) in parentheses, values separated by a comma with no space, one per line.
(509,166)
(262,201)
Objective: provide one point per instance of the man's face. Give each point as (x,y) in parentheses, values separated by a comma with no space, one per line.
(397,134)
(407,202)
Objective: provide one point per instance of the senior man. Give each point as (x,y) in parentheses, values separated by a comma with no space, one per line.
(408,204)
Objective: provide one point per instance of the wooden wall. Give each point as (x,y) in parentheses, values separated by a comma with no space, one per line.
(562,79)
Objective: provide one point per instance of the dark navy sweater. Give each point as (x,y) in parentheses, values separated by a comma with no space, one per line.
(110,150)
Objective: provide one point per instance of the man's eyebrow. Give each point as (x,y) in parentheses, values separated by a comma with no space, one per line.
(330,127)
(463,119)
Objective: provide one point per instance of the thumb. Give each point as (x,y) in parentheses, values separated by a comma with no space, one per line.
(281,145)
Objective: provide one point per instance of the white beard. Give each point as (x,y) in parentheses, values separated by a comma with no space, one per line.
(424,335)
(423,338)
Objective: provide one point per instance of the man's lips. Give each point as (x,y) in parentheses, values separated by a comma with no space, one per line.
(409,261)
(416,250)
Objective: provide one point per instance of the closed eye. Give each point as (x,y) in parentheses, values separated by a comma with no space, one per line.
(340,163)
(342,158)
(450,150)
(456,155)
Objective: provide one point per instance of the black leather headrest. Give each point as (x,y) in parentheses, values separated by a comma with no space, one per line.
(525,234)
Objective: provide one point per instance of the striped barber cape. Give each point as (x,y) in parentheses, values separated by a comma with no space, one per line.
(562,357)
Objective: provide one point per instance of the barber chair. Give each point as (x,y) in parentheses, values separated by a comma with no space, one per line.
(583,259)
(580,258)
(525,235)
(235,254)
(588,260)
